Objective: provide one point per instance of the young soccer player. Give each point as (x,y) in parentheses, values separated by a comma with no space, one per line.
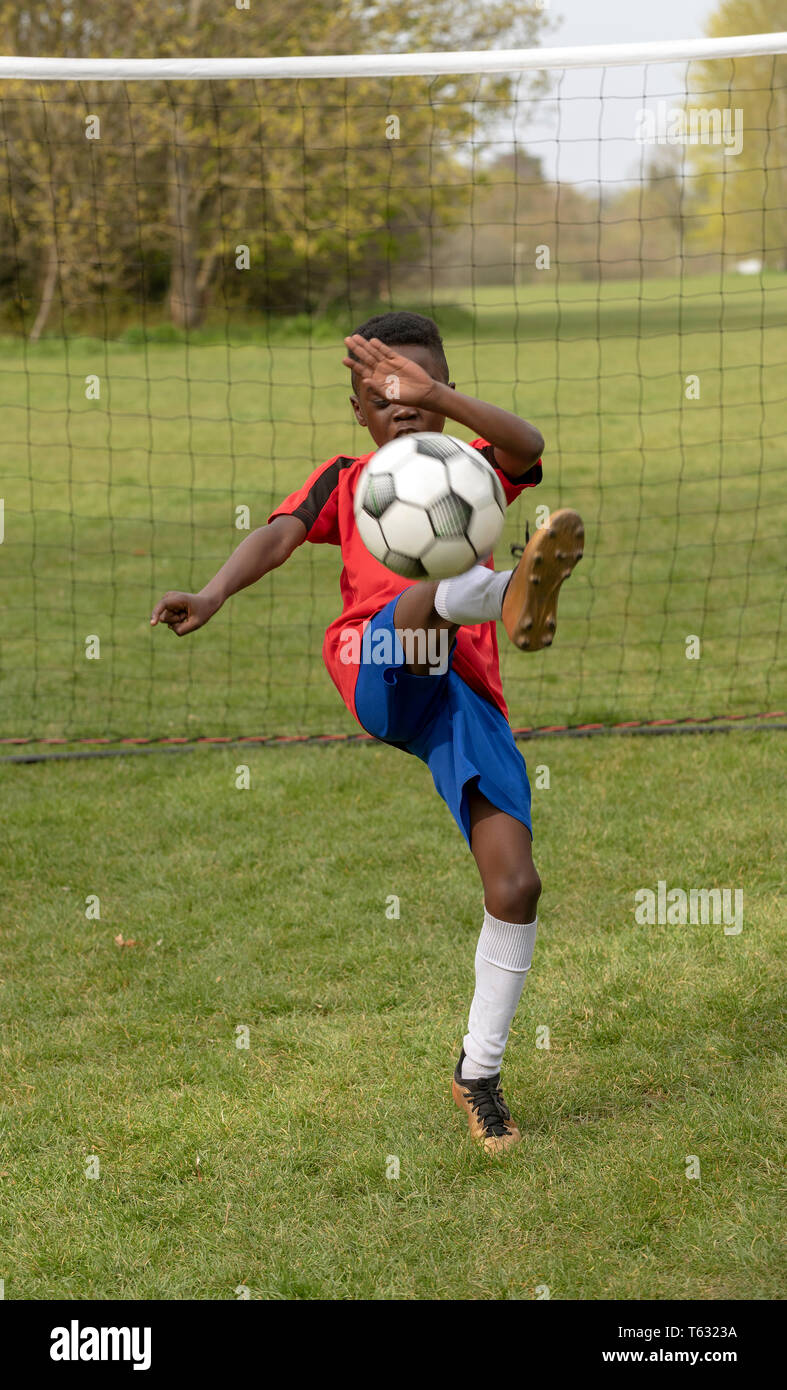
(454,719)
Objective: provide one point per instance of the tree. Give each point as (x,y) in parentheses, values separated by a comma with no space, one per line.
(304,174)
(741,199)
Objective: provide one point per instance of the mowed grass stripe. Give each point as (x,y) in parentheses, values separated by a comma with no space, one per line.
(267,908)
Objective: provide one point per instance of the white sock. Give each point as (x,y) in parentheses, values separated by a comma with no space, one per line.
(502,960)
(473,597)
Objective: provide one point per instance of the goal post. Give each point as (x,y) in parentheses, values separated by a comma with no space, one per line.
(600,235)
(501,60)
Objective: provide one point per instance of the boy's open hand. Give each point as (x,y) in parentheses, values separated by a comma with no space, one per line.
(183,612)
(382,369)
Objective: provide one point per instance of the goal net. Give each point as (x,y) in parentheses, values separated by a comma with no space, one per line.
(600,236)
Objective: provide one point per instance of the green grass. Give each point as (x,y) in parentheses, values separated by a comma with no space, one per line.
(110,502)
(266,908)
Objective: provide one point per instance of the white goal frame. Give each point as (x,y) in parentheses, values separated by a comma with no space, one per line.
(389,64)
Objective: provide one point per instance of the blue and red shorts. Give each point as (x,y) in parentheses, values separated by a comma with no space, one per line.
(465,740)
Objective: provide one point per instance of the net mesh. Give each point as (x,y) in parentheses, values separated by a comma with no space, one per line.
(179,265)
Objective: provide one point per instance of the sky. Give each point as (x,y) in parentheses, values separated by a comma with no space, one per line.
(627,21)
(597,135)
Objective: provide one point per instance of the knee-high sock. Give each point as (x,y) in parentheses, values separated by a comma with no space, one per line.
(502,961)
(473,597)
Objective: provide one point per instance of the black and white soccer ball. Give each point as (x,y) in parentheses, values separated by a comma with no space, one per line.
(428,506)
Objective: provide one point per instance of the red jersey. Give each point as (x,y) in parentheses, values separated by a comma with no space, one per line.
(325,506)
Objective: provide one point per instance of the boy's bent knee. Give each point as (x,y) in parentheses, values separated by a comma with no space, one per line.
(513,897)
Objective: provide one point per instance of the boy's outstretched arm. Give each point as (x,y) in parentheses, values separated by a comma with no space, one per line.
(264,550)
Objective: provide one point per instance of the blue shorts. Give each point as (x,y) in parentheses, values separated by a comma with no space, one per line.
(464,739)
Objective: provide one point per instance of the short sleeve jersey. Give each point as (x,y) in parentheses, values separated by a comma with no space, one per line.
(325,506)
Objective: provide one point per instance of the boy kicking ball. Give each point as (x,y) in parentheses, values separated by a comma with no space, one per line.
(454,717)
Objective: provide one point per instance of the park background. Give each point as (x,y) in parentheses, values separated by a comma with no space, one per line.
(224,1169)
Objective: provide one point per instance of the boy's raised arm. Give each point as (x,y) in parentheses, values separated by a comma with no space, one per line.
(264,550)
(517,443)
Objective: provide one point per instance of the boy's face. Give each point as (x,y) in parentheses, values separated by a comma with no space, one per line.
(386,420)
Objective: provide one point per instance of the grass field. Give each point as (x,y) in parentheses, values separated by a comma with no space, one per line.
(266,908)
(267,1167)
(109,502)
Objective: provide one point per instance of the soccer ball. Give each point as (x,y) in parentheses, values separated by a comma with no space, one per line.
(428,506)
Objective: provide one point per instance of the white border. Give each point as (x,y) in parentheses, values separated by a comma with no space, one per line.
(388,64)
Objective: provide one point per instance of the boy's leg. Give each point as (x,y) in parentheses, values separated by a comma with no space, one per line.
(524,598)
(443,605)
(502,849)
(415,612)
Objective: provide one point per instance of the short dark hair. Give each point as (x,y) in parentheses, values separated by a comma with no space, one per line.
(400,329)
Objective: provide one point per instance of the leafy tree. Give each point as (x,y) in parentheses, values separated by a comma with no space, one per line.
(740,204)
(307,174)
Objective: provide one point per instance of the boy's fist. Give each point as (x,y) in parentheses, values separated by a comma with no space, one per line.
(183,612)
